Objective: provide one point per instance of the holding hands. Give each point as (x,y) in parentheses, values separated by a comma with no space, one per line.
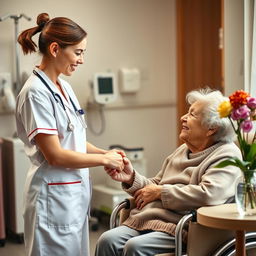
(142,196)
(125,175)
(113,159)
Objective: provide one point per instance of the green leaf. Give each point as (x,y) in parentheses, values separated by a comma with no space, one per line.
(243,165)
(245,148)
(252,153)
(253,164)
(226,163)
(234,161)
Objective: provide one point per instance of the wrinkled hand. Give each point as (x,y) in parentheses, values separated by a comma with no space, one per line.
(113,160)
(126,175)
(147,194)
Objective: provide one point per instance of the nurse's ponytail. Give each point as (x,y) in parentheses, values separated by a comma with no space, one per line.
(61,30)
(25,38)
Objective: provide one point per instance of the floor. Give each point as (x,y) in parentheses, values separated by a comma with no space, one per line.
(13,248)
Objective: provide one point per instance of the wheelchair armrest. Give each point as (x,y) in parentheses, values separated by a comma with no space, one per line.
(121,209)
(179,228)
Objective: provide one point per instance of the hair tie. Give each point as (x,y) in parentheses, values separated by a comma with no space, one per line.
(41,25)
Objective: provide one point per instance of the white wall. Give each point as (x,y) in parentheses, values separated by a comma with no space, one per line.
(234,45)
(249,47)
(134,33)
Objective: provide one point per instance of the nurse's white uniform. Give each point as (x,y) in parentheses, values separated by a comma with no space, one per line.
(56,199)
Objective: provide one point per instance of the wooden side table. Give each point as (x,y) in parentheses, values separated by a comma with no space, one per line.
(226,216)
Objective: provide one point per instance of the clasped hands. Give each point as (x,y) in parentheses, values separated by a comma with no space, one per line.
(125,173)
(120,168)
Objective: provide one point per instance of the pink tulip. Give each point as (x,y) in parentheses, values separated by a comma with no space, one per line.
(251,102)
(240,113)
(246,126)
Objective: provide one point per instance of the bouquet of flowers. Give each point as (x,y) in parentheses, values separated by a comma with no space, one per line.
(241,111)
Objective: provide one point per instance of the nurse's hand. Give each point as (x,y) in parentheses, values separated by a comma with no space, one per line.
(113,160)
(119,151)
(126,176)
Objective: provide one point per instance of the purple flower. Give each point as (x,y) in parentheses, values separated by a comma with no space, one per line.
(251,102)
(240,113)
(246,125)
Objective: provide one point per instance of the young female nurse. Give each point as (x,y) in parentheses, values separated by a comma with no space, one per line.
(52,127)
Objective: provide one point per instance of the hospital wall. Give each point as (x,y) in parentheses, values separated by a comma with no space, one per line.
(121,34)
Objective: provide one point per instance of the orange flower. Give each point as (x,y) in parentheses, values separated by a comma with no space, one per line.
(238,98)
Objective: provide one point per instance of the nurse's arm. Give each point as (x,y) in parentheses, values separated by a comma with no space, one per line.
(55,155)
(93,149)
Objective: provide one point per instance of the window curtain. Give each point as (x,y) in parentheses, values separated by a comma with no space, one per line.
(250,46)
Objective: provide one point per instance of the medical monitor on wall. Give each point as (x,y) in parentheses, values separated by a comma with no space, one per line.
(104,87)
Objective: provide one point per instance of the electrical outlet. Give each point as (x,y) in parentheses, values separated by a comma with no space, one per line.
(5,80)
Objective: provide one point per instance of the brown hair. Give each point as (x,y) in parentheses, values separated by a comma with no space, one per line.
(61,30)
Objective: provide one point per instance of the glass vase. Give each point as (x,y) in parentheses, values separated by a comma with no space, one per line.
(246,198)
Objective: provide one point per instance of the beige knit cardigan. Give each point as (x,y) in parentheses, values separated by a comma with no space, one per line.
(190,180)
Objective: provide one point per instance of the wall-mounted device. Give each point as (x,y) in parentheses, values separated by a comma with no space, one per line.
(129,80)
(104,87)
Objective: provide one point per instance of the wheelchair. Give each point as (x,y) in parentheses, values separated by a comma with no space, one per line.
(202,241)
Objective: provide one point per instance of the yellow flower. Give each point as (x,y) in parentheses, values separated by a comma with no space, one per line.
(224,109)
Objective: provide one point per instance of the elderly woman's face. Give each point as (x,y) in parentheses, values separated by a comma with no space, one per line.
(193,133)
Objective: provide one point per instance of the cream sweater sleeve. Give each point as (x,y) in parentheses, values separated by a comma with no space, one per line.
(141,181)
(207,185)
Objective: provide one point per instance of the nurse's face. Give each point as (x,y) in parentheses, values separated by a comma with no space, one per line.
(70,57)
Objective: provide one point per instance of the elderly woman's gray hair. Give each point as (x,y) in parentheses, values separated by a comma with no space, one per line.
(211,118)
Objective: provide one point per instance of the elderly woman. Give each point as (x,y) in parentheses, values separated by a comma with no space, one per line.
(188,180)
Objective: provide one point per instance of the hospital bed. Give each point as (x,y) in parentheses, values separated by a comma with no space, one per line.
(202,241)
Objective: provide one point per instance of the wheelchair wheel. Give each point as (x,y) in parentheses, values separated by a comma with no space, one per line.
(228,249)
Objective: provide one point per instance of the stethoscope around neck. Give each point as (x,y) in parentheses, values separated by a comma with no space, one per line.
(58,99)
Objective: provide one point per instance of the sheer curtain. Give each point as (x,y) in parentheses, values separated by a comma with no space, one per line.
(250,46)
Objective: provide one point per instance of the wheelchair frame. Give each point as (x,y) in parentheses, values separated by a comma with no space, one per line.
(226,249)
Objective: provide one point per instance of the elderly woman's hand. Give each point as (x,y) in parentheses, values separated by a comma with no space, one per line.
(147,194)
(126,175)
